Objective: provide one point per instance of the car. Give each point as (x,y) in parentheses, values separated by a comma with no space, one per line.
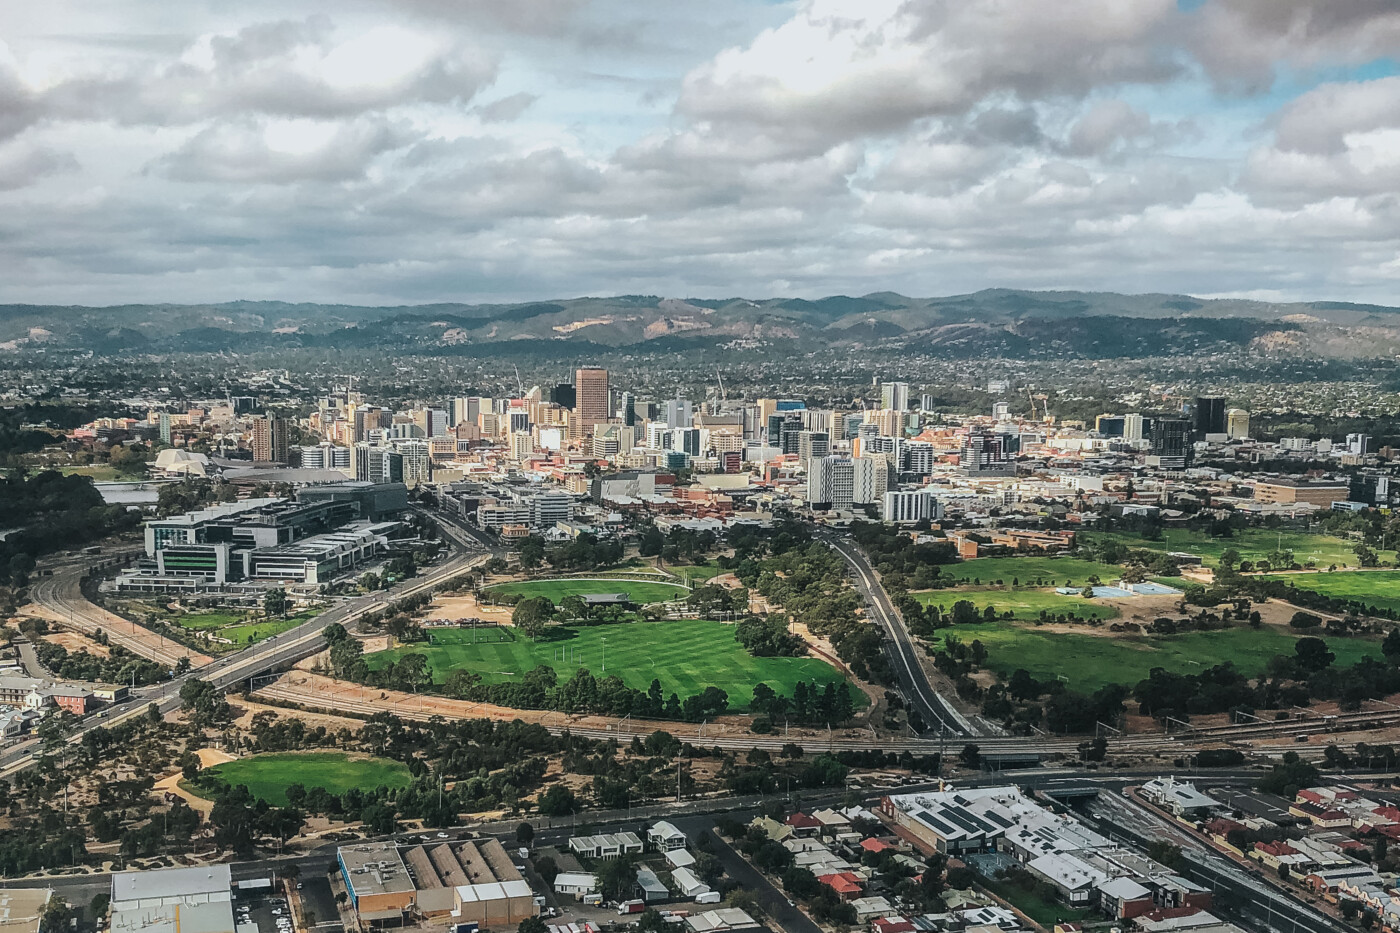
(442,835)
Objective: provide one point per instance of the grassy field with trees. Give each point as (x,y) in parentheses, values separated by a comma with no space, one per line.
(685,656)
(1025,603)
(1379,589)
(267,777)
(1087,662)
(1030,571)
(557,590)
(1253,544)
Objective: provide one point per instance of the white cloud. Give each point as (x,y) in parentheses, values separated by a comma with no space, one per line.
(432,149)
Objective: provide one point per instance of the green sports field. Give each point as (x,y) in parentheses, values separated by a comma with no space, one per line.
(268,776)
(1025,603)
(1379,589)
(1031,571)
(686,656)
(556,590)
(1253,544)
(1088,662)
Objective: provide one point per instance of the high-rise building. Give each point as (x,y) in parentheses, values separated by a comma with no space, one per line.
(889,421)
(591,396)
(845,482)
(926,403)
(563,395)
(1171,439)
(679,413)
(813,444)
(269,439)
(894,395)
(629,409)
(417,461)
(910,506)
(985,452)
(165,428)
(1110,425)
(686,440)
(1237,423)
(1133,427)
(1209,416)
(378,464)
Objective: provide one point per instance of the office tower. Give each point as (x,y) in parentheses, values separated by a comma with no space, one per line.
(1133,427)
(1001,411)
(1209,416)
(269,439)
(813,444)
(466,410)
(894,395)
(519,421)
(165,428)
(844,482)
(378,464)
(1358,444)
(564,395)
(984,452)
(818,419)
(1171,438)
(658,435)
(1110,425)
(686,440)
(591,396)
(888,421)
(1237,423)
(679,413)
(926,403)
(629,409)
(417,461)
(918,457)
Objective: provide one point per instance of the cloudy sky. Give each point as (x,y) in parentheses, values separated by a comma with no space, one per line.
(479,150)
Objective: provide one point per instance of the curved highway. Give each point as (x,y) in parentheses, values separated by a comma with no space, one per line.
(932,706)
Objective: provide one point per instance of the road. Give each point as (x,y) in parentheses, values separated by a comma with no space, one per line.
(278,651)
(61,596)
(932,706)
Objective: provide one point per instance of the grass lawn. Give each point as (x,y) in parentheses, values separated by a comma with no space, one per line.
(101,473)
(699,573)
(267,776)
(1252,543)
(686,656)
(235,626)
(1025,603)
(556,590)
(1379,589)
(1091,661)
(1047,913)
(1050,571)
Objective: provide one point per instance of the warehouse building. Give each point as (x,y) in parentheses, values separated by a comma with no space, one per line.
(173,900)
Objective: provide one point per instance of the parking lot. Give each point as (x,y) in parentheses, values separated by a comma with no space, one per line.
(261,912)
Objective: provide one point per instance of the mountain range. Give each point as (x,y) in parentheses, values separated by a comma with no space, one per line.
(994,322)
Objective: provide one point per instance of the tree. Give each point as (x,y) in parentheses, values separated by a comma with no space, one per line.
(557,800)
(275,602)
(970,756)
(1391,646)
(530,616)
(524,834)
(1312,655)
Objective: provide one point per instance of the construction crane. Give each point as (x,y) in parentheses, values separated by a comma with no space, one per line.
(519,384)
(723,396)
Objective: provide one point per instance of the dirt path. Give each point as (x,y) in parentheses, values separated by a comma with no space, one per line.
(320,693)
(170,784)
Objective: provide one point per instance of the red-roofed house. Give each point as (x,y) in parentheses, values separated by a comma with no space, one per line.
(803,825)
(846,885)
(891,925)
(875,845)
(1274,854)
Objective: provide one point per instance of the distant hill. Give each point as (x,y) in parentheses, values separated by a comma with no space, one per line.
(992,322)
